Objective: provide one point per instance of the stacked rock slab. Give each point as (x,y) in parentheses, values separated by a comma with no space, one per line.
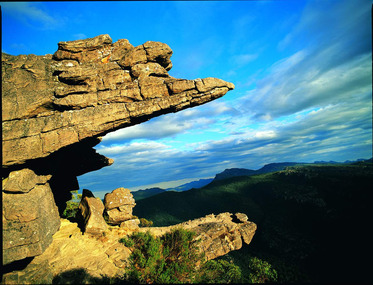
(118,206)
(55,109)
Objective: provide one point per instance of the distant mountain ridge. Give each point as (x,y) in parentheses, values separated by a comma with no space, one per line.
(194,184)
(142,194)
(229,173)
(271,167)
(149,192)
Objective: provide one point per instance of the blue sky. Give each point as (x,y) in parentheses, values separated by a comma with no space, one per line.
(302,71)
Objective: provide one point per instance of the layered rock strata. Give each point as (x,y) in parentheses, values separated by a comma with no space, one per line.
(55,108)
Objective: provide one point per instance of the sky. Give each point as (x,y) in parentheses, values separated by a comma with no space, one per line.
(302,73)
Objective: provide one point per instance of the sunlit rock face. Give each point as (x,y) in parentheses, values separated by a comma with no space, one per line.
(56,107)
(217,234)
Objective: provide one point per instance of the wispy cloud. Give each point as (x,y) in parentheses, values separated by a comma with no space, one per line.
(31,13)
(314,103)
(171,125)
(315,134)
(243,59)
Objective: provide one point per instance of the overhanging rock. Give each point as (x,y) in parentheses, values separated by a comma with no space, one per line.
(56,108)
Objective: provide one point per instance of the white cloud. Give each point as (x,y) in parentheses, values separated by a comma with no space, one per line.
(298,87)
(314,104)
(80,36)
(31,12)
(133,148)
(243,59)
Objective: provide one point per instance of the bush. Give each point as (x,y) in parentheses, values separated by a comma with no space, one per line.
(174,258)
(261,271)
(145,223)
(72,206)
(219,271)
(168,259)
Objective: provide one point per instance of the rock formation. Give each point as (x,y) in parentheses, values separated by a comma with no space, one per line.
(71,251)
(57,107)
(92,209)
(219,234)
(118,206)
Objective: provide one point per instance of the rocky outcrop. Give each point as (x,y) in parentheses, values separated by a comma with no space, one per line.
(94,257)
(92,209)
(118,206)
(72,251)
(88,88)
(55,108)
(218,234)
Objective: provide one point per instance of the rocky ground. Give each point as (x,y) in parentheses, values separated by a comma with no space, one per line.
(73,250)
(100,256)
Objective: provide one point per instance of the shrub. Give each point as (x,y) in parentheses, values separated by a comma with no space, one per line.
(261,271)
(219,271)
(145,223)
(174,258)
(128,242)
(171,258)
(72,206)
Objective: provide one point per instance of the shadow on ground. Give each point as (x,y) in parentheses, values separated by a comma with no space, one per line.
(80,276)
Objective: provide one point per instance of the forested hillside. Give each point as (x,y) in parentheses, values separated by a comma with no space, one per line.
(312,220)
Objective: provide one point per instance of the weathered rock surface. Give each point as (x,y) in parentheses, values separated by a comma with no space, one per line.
(55,108)
(106,256)
(71,250)
(218,234)
(118,205)
(92,209)
(30,216)
(88,88)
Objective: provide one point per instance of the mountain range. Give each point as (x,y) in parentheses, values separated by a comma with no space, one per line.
(227,173)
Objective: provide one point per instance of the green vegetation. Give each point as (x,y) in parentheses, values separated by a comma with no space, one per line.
(220,271)
(261,271)
(174,258)
(145,223)
(72,206)
(312,220)
(168,259)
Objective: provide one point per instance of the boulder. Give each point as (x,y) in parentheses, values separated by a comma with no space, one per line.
(119,205)
(132,224)
(30,217)
(92,210)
